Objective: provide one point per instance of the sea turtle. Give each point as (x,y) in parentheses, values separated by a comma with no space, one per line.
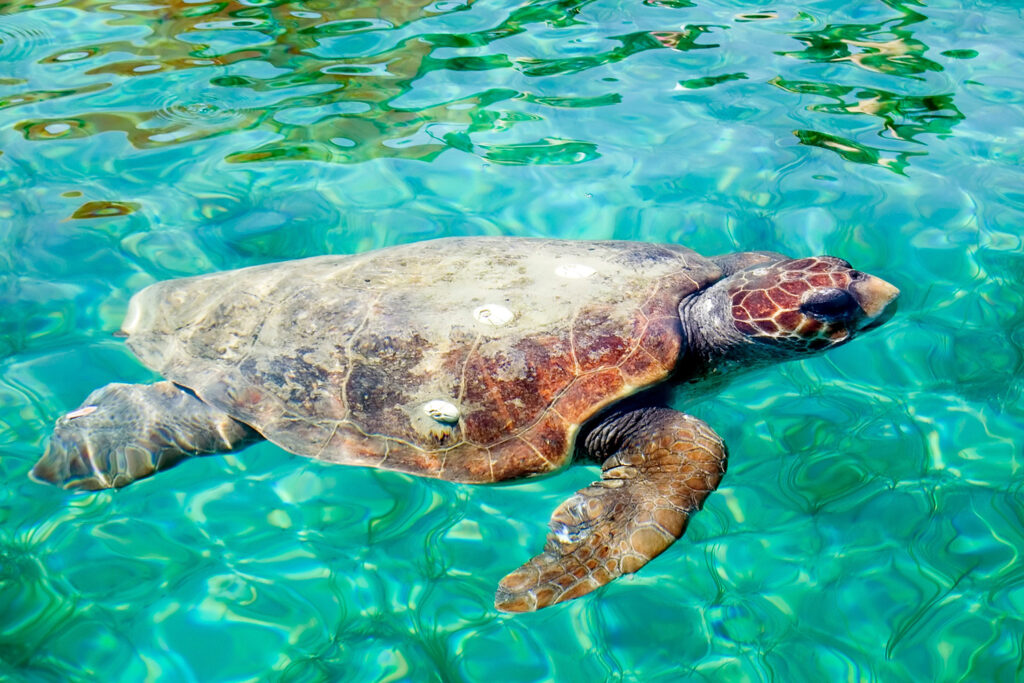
(476,360)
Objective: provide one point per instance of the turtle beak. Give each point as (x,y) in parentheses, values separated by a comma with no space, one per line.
(875,297)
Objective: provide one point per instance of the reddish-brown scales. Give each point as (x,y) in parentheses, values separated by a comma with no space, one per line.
(822,280)
(745,328)
(767,301)
(759,305)
(782,298)
(801,264)
(789,320)
(795,287)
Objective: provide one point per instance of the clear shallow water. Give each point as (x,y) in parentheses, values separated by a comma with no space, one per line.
(870,524)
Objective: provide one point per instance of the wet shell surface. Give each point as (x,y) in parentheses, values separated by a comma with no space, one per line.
(471,359)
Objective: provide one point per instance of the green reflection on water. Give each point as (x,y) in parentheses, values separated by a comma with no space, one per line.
(307,73)
(886,47)
(903,116)
(284,59)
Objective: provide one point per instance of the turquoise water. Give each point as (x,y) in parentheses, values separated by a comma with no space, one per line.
(870,525)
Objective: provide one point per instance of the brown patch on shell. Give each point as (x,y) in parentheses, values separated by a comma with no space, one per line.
(360,449)
(551,436)
(470,464)
(595,389)
(511,388)
(598,340)
(520,459)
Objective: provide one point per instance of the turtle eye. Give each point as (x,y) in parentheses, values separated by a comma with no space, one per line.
(829,304)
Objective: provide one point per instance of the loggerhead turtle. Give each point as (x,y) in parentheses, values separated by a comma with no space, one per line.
(476,360)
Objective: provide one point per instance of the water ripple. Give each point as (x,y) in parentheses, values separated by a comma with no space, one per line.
(870,523)
(21,36)
(378,79)
(210,108)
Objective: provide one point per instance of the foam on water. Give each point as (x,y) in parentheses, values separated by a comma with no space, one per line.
(869,527)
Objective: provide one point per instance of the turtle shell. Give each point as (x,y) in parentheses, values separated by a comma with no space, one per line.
(471,359)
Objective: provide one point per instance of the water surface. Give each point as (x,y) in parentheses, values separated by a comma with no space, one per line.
(869,527)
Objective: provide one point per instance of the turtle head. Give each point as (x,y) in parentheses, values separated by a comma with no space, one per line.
(808,304)
(782,309)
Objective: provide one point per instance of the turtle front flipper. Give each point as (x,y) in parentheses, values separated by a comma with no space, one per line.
(125,432)
(659,466)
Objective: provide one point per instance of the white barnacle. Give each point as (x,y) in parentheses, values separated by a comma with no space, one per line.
(442,411)
(495,315)
(574,271)
(81,412)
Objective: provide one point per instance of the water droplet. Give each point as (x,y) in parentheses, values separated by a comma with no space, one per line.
(213,107)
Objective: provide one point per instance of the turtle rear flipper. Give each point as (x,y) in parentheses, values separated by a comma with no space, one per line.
(659,467)
(125,432)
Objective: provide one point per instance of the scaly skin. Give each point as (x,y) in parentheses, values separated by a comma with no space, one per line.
(659,466)
(124,432)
